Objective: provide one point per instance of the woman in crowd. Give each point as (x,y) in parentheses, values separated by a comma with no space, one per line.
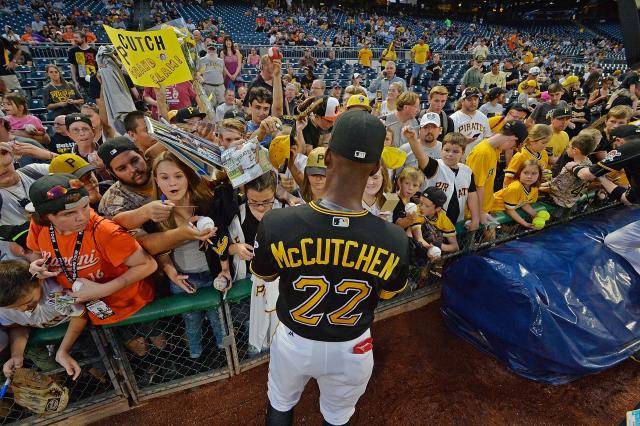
(260,198)
(253,58)
(60,97)
(373,196)
(315,174)
(193,264)
(599,97)
(232,62)
(388,106)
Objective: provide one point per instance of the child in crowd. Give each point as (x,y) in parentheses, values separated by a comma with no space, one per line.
(452,176)
(409,182)
(315,172)
(565,189)
(433,227)
(534,149)
(580,115)
(520,194)
(559,138)
(373,196)
(22,123)
(190,266)
(25,302)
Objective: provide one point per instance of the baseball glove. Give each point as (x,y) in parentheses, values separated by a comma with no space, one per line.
(38,392)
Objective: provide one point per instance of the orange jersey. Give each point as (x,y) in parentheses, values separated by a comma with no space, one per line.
(99,265)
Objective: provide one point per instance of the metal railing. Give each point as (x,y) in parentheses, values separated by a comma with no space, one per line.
(116,376)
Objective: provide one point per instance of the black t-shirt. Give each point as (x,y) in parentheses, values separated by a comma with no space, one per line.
(259,82)
(576,112)
(630,80)
(436,69)
(311,134)
(84,60)
(249,228)
(512,74)
(8,53)
(60,144)
(55,94)
(626,157)
(333,268)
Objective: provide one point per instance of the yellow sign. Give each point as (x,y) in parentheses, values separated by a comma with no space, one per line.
(151,57)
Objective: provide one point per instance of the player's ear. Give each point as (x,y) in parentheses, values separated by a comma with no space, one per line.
(328,157)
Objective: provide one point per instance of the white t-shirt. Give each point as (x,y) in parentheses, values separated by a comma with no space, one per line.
(475,126)
(13,212)
(48,313)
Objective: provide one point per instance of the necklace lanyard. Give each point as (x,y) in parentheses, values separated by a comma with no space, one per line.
(74,258)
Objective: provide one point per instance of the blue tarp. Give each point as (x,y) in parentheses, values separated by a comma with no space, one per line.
(553,306)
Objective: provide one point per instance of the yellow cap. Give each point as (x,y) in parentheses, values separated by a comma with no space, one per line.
(532,83)
(393,157)
(172,114)
(315,162)
(359,100)
(279,150)
(72,164)
(572,79)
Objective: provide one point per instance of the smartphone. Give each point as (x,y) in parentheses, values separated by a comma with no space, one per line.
(190,286)
(378,95)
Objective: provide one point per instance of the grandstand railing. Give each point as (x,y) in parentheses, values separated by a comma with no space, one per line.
(115,380)
(59,50)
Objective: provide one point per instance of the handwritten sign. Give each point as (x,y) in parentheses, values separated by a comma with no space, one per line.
(150,57)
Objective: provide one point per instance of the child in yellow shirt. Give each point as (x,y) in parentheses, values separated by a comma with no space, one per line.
(534,149)
(520,194)
(433,227)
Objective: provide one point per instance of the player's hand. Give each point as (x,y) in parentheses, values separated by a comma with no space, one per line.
(88,291)
(158,211)
(12,364)
(180,280)
(243,250)
(68,363)
(40,269)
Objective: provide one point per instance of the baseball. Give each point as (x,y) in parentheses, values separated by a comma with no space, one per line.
(77,285)
(544,215)
(434,252)
(538,223)
(410,208)
(220,283)
(205,223)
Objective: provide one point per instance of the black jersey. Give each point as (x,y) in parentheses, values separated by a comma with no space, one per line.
(625,157)
(333,268)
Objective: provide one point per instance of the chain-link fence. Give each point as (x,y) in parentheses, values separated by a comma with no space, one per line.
(173,343)
(97,385)
(183,341)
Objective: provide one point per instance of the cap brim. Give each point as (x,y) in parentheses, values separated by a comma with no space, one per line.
(563,116)
(334,118)
(315,171)
(30,208)
(429,122)
(84,170)
(367,107)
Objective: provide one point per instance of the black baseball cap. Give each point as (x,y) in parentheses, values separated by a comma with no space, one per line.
(470,92)
(561,112)
(518,107)
(211,45)
(185,113)
(234,113)
(69,119)
(358,136)
(436,195)
(625,131)
(114,147)
(56,192)
(15,233)
(516,128)
(495,92)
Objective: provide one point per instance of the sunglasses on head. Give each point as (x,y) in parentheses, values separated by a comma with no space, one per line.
(59,190)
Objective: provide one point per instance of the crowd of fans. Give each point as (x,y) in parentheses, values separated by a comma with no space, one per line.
(92,215)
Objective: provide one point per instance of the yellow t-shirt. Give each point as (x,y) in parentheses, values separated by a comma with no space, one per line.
(420,53)
(528,58)
(364,57)
(558,143)
(514,196)
(524,155)
(483,160)
(441,222)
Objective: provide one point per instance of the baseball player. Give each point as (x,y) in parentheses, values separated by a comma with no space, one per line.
(334,261)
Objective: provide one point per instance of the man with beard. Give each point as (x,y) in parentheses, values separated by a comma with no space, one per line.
(473,124)
(128,202)
(428,134)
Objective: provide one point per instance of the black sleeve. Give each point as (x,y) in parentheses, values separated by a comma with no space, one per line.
(472,185)
(245,103)
(431,168)
(398,279)
(46,95)
(94,87)
(263,265)
(617,159)
(560,163)
(72,57)
(398,212)
(587,116)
